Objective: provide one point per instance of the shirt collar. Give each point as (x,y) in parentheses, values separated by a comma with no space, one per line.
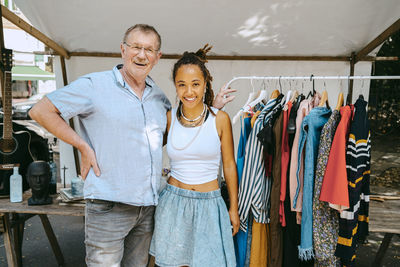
(120,79)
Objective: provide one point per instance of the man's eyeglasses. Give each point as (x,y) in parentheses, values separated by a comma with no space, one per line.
(137,49)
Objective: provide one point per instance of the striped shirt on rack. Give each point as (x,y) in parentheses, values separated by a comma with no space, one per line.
(353,222)
(254,188)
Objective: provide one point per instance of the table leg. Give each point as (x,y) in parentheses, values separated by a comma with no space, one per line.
(52,238)
(8,242)
(382,249)
(18,231)
(151,262)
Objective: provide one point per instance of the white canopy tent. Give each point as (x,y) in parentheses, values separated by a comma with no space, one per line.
(254,37)
(254,27)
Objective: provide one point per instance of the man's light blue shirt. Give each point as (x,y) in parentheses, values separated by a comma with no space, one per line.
(125,132)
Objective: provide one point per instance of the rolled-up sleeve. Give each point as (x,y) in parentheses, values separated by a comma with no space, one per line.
(74,99)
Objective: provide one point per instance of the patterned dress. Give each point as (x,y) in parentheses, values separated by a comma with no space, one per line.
(325,219)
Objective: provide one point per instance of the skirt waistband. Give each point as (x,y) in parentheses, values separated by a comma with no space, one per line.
(193,194)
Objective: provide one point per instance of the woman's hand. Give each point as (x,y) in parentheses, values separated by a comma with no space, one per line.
(223,97)
(234,216)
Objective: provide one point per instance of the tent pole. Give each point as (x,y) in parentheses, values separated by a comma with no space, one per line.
(17,21)
(71,121)
(249,57)
(352,63)
(378,40)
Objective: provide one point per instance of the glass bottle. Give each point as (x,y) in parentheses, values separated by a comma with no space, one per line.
(16,186)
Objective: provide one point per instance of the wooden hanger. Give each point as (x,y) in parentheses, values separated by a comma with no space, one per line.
(274,94)
(339,101)
(295,94)
(324,99)
(253,119)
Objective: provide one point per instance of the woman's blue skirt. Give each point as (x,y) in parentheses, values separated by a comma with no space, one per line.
(192,229)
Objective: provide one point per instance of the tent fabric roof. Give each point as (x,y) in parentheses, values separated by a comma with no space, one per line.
(30,73)
(252,27)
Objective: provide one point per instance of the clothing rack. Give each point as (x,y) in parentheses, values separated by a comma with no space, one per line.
(311,78)
(305,78)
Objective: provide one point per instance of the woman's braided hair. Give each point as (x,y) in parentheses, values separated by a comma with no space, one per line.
(199,58)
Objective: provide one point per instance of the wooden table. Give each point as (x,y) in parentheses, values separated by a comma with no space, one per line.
(15,215)
(384,218)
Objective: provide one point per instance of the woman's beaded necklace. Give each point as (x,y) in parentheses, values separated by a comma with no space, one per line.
(195,119)
(202,121)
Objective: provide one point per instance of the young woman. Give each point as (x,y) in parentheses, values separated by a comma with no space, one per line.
(192,224)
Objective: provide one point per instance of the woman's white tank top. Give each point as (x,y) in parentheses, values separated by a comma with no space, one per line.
(194,153)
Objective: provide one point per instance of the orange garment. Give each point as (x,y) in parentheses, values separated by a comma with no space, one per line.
(334,188)
(253,119)
(260,239)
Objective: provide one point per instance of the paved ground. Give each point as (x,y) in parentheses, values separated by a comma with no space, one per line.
(70,230)
(36,248)
(385,171)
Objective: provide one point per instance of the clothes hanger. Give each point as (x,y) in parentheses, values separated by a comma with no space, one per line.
(276,93)
(265,87)
(340,101)
(253,94)
(291,128)
(302,88)
(295,93)
(348,100)
(262,95)
(289,93)
(312,92)
(361,96)
(248,106)
(324,98)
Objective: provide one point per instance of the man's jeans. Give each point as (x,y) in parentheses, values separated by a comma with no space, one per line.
(117,234)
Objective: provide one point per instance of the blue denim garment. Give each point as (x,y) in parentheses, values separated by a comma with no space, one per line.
(309,138)
(240,239)
(125,132)
(192,229)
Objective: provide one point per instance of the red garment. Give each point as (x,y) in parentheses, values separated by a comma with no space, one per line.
(285,156)
(334,188)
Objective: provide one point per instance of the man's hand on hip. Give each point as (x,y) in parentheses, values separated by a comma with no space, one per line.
(88,160)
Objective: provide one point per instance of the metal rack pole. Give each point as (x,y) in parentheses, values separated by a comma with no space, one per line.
(311,78)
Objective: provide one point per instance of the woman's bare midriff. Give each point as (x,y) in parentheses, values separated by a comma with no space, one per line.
(206,187)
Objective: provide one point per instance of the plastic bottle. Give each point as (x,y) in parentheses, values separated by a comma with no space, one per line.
(53,172)
(15,186)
